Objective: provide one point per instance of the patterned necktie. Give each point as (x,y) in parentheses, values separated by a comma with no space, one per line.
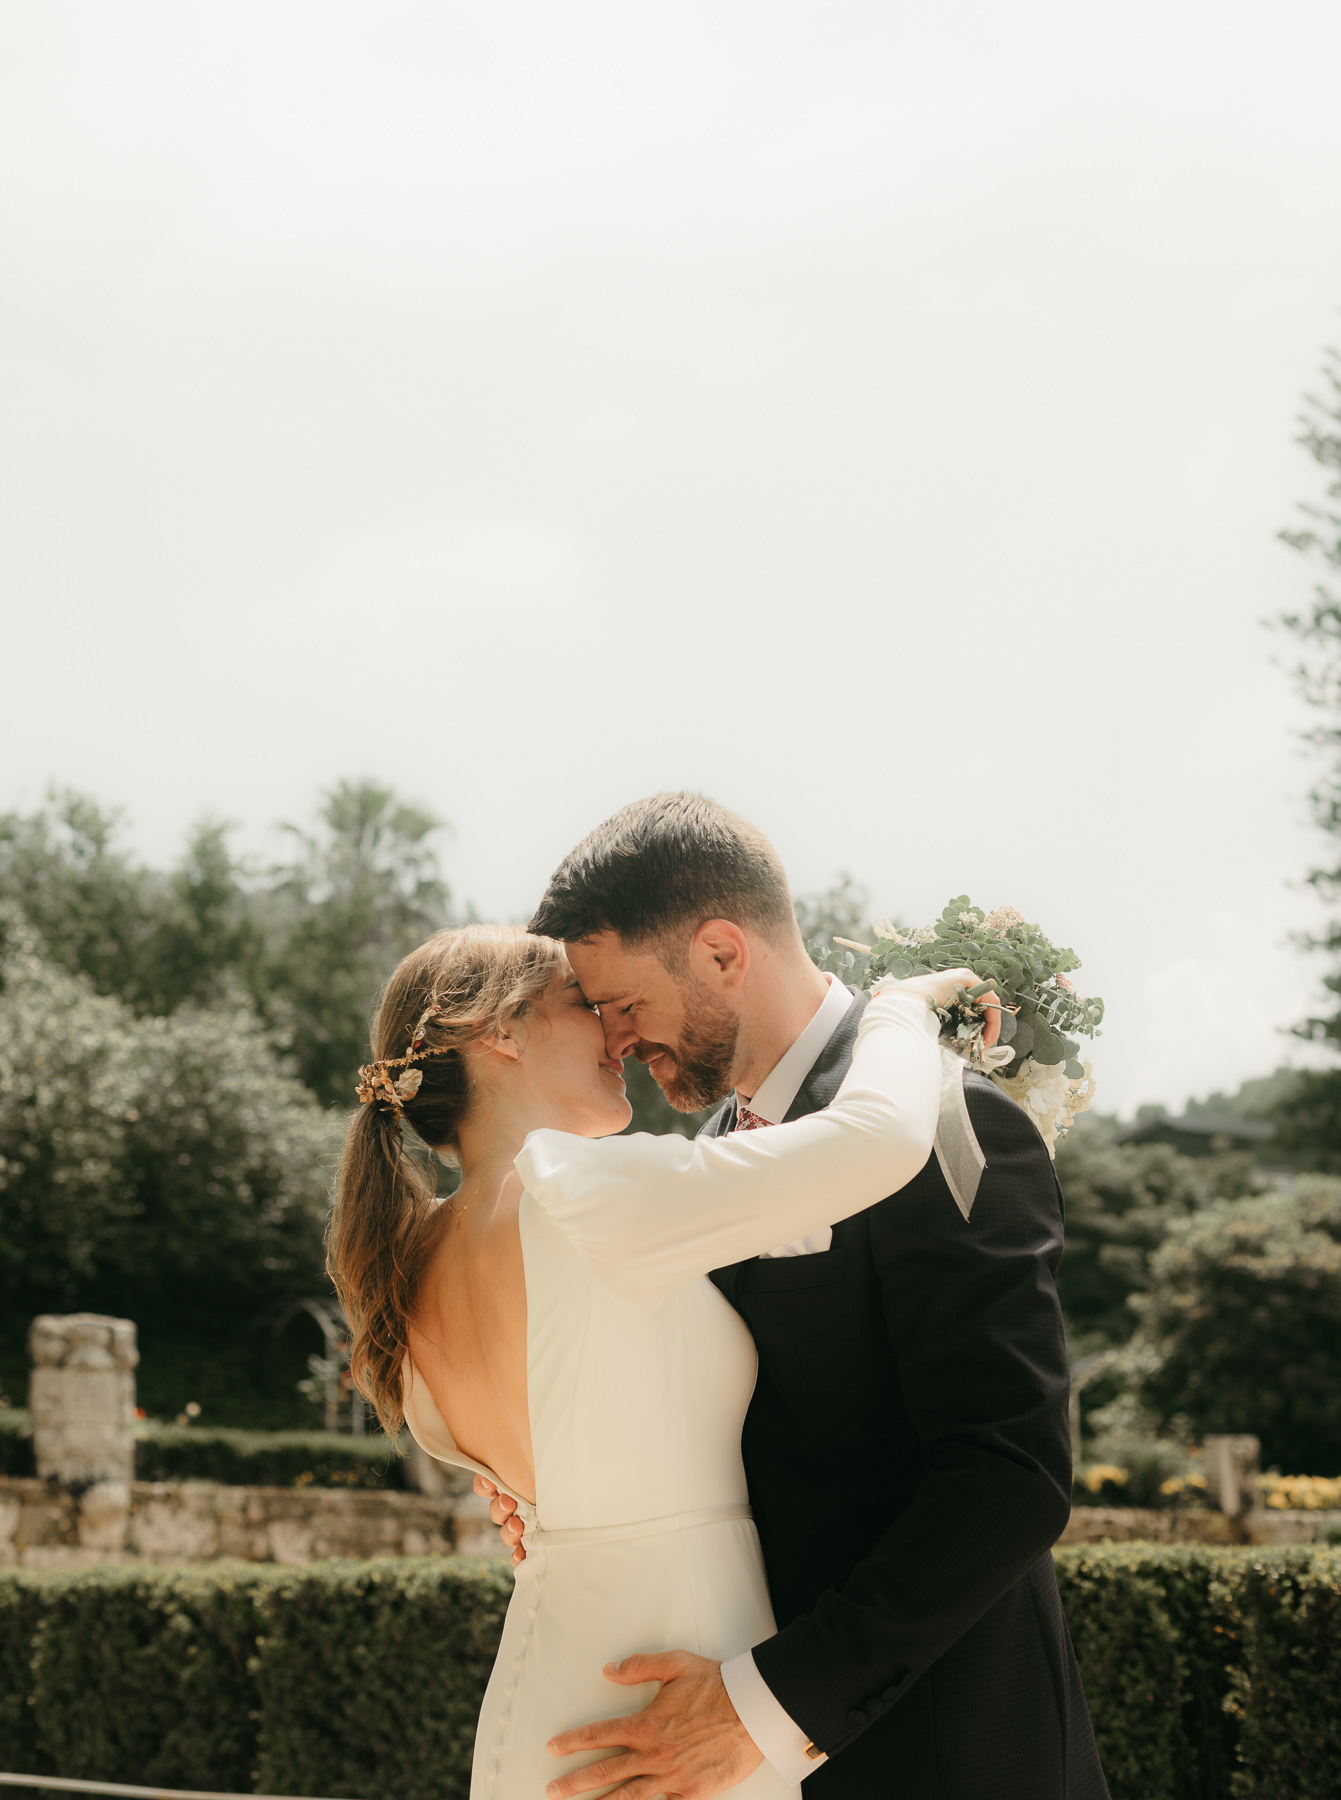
(747,1120)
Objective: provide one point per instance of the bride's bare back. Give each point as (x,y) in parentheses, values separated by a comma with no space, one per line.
(468,1331)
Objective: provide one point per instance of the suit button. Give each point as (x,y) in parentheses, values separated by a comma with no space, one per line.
(857,1716)
(890,1693)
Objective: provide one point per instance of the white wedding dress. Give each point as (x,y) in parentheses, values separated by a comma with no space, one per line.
(639,1374)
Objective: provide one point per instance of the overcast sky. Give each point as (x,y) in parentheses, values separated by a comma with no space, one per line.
(876,415)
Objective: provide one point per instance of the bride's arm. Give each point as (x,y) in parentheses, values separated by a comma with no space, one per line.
(652,1213)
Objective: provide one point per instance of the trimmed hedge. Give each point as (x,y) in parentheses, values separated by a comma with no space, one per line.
(232,1457)
(345,1678)
(1211,1674)
(135,1670)
(1150,1634)
(371,1676)
(267,1458)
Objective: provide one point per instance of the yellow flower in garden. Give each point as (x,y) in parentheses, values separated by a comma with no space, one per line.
(1302,1493)
(1100,1473)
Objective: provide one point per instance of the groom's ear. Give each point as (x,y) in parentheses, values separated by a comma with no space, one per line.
(719,955)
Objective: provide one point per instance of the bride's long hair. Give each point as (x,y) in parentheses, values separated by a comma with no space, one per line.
(459,987)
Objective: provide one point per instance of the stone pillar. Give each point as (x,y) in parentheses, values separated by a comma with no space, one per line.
(1231,1467)
(82,1397)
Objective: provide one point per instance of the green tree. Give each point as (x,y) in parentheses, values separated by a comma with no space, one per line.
(363,888)
(1310,1118)
(168,1042)
(1243,1320)
(152,940)
(842,910)
(1121,1202)
(165,1169)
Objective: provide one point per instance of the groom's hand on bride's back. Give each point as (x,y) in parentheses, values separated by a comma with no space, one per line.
(503,1512)
(688,1744)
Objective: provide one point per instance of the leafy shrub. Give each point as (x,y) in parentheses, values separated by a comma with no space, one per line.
(167,1170)
(1121,1200)
(1155,1660)
(1143,1472)
(1287,1607)
(267,1458)
(22,1604)
(1211,1674)
(1244,1316)
(1100,1484)
(234,1458)
(142,1675)
(371,1677)
(1306,1493)
(343,1678)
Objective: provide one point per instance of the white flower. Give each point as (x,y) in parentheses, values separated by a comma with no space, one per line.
(970,919)
(1050,1096)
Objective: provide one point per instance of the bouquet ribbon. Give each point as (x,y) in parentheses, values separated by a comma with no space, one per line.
(957,1148)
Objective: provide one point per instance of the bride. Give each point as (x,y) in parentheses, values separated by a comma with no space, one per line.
(551,1327)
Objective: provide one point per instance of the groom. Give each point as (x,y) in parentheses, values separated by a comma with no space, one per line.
(907,1446)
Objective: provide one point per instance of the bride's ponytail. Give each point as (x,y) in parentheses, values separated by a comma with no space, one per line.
(452,991)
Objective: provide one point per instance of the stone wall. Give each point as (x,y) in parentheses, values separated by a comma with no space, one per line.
(1131,1525)
(45,1525)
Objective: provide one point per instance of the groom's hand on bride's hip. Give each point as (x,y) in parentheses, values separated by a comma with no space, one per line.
(503,1512)
(688,1744)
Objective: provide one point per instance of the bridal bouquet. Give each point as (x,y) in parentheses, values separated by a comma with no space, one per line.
(1037,1061)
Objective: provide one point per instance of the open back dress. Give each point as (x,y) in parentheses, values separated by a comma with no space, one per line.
(639,1375)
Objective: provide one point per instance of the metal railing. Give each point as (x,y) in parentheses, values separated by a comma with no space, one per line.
(58,1784)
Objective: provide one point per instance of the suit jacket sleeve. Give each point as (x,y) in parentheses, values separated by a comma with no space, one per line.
(973,1320)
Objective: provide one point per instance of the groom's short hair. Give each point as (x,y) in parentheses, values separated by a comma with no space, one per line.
(658,868)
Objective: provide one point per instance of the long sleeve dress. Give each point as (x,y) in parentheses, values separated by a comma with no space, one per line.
(639,1374)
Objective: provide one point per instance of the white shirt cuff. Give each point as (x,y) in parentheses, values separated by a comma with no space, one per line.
(775,1733)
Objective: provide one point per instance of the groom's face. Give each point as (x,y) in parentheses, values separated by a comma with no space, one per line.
(673,1022)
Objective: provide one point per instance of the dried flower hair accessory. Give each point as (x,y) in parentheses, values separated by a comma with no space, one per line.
(376,1085)
(432,1011)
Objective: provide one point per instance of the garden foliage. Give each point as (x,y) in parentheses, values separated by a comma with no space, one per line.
(359,1679)
(268,1458)
(1243,1318)
(1211,1674)
(235,1458)
(165,1169)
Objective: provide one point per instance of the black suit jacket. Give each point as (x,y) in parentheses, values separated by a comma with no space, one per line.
(909,1461)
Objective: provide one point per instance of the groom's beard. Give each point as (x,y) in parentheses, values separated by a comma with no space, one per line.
(700,1064)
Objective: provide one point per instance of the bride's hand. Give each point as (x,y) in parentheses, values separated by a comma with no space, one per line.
(503,1512)
(940,988)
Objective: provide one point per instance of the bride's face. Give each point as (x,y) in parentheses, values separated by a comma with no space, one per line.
(569,1079)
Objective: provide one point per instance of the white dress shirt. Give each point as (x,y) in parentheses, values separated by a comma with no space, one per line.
(774,1731)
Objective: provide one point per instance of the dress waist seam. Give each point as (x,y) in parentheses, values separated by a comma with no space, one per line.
(611,1534)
